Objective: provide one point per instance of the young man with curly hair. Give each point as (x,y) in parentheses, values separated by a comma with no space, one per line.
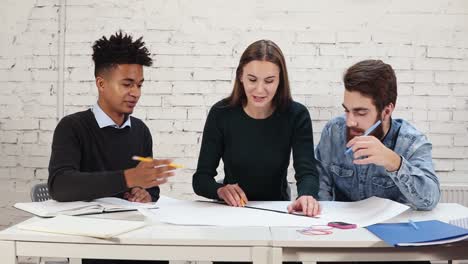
(92,150)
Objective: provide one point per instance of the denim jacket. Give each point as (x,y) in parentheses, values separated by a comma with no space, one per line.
(414,183)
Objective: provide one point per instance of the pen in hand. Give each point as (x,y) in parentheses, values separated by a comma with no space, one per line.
(242,202)
(175,165)
(368,131)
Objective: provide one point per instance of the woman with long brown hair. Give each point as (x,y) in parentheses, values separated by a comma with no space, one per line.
(253,131)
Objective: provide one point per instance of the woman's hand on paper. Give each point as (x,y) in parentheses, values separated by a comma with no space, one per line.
(305,204)
(233,195)
(139,195)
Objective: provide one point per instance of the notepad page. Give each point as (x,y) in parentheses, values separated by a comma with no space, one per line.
(82,226)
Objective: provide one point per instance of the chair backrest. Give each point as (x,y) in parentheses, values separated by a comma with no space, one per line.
(40,192)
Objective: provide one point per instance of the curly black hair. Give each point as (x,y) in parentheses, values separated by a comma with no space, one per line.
(119,49)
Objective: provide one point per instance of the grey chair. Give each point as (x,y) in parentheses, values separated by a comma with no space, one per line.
(40,193)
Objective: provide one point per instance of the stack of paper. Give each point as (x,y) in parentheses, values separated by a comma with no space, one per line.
(81,226)
(52,208)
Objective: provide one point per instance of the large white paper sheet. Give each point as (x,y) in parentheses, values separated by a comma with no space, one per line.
(363,213)
(213,214)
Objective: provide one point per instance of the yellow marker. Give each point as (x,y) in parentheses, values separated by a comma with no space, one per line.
(142,159)
(177,166)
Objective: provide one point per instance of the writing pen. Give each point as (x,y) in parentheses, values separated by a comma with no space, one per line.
(242,202)
(368,131)
(175,165)
(412,223)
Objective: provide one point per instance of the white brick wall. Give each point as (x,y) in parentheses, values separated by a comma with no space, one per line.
(196,46)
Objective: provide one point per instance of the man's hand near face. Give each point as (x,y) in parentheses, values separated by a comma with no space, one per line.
(370,150)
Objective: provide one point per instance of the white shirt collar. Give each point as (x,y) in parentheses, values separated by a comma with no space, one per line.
(104,120)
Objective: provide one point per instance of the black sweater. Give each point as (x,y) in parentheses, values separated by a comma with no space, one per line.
(88,162)
(256,152)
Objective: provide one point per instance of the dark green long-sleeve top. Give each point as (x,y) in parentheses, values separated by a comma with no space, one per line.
(256,152)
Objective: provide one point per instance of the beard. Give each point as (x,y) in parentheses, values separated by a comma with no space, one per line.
(378,131)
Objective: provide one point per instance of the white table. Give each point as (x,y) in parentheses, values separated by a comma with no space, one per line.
(361,245)
(261,245)
(156,242)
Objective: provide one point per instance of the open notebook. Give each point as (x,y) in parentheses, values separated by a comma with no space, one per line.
(81,226)
(51,208)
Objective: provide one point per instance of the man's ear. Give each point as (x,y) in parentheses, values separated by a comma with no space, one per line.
(100,84)
(387,111)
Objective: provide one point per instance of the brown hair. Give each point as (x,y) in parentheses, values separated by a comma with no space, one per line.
(262,50)
(374,79)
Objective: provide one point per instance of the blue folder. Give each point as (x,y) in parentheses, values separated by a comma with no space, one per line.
(431,232)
